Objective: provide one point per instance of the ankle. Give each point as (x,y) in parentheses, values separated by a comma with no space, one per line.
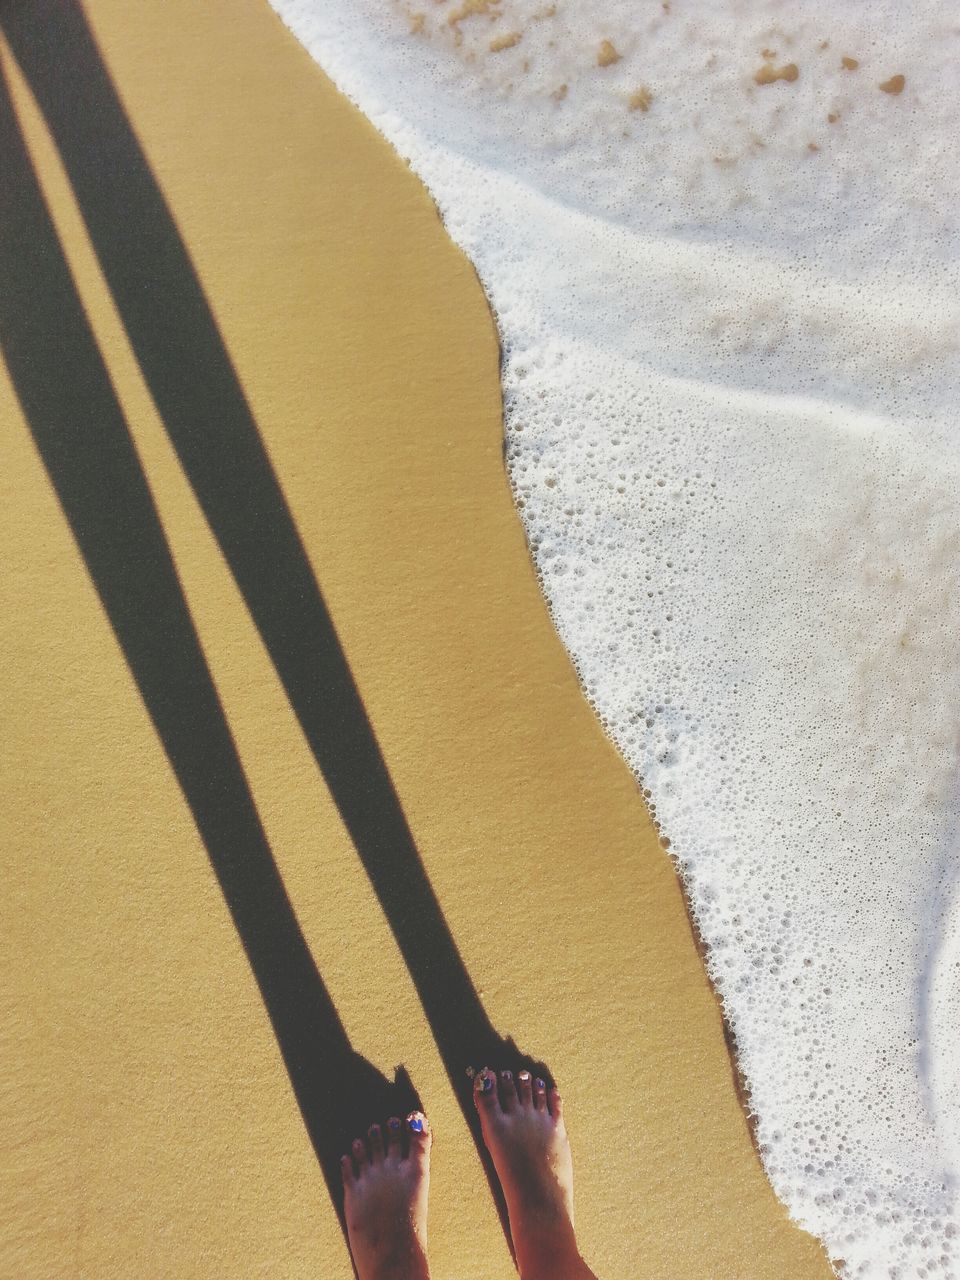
(549,1252)
(408,1266)
(407,1261)
(566,1267)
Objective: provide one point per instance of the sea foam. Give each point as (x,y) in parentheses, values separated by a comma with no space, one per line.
(721,246)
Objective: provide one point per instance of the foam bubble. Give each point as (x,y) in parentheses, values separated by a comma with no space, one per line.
(721,245)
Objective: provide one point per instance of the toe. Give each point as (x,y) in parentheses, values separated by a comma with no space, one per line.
(394,1129)
(525,1088)
(360,1154)
(485,1092)
(508,1091)
(556,1103)
(540,1094)
(346,1170)
(375,1134)
(418,1132)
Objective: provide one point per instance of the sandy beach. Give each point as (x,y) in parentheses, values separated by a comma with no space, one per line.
(149,1119)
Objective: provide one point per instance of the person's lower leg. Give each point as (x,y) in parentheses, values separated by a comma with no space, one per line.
(522,1123)
(386,1181)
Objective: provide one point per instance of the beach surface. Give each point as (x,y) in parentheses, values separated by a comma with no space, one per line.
(149,1120)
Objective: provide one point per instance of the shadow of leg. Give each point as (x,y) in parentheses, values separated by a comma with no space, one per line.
(196,390)
(83,439)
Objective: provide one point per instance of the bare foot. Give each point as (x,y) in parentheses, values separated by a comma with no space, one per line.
(385,1186)
(522,1123)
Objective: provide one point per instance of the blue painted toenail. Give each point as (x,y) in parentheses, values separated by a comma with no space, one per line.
(416,1124)
(539,1083)
(487,1086)
(394,1125)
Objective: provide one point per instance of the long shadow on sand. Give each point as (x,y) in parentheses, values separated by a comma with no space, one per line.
(83,438)
(85,444)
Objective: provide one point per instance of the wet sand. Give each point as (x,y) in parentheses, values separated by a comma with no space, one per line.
(150,1124)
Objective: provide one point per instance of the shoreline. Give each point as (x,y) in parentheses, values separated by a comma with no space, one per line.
(368,355)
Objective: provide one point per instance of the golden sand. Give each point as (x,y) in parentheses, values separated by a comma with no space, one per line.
(150,1128)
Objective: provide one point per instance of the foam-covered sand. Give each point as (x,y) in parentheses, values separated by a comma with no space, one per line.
(721,246)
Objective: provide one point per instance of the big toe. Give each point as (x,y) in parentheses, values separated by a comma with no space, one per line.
(419,1137)
(485,1094)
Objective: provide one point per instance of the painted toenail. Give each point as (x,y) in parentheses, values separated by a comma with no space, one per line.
(393,1125)
(506,1075)
(539,1083)
(486,1084)
(416,1124)
(524,1076)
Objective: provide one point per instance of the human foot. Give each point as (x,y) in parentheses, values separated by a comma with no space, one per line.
(385,1186)
(522,1123)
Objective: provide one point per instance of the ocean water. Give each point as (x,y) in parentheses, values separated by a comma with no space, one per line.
(721,245)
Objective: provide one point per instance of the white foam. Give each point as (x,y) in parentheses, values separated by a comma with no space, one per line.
(731,378)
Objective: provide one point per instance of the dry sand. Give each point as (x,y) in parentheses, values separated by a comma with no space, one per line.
(149,1125)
